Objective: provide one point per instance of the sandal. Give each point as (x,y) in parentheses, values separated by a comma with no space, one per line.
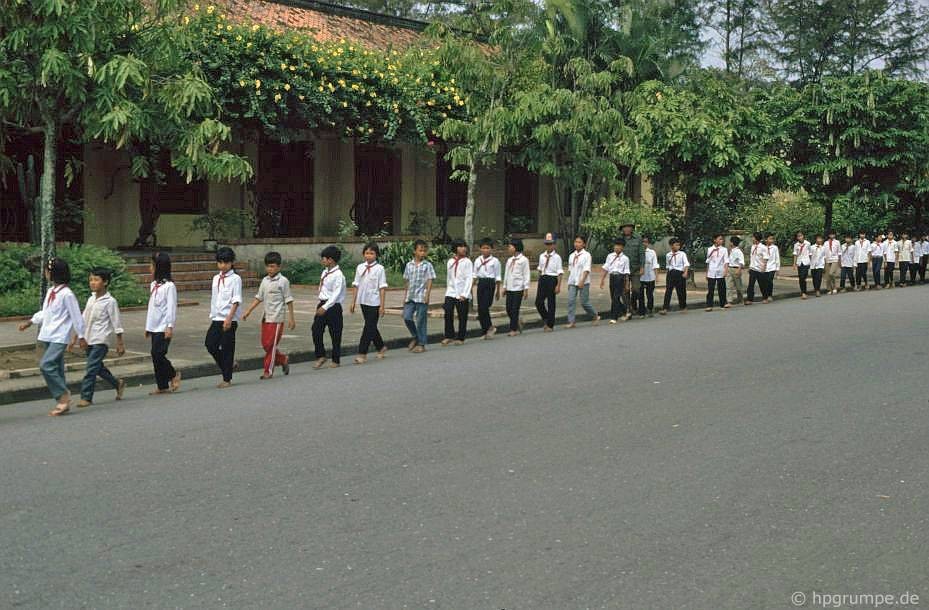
(381,353)
(319,363)
(120,388)
(360,359)
(176,382)
(60,409)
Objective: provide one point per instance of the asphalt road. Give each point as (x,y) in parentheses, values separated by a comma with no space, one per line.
(707,460)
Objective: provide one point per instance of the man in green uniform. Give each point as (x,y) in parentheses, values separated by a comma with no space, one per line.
(636,253)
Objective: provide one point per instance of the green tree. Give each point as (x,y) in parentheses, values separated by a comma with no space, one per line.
(110,70)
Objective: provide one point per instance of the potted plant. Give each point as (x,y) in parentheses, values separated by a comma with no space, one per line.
(221,224)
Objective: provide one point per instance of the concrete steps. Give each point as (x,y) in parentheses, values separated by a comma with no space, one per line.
(190,271)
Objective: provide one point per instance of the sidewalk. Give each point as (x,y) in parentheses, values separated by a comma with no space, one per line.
(190,356)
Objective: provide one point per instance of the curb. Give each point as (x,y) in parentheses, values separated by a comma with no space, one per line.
(121,309)
(256,363)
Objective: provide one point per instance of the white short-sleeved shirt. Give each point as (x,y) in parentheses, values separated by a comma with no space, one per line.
(517,273)
(460,278)
(802,253)
(774,258)
(676,261)
(863,247)
(578,263)
(60,316)
(369,279)
(101,319)
(162,307)
(274,294)
(817,256)
(877,250)
(849,253)
(758,257)
(717,257)
(891,248)
(550,264)
(833,250)
(736,258)
(616,263)
(650,266)
(906,251)
(332,287)
(227,291)
(487,268)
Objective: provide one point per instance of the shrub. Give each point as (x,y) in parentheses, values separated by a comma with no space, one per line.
(20,303)
(302,271)
(396,254)
(603,222)
(782,214)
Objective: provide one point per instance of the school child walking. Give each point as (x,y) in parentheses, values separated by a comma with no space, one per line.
(876,258)
(849,254)
(802,261)
(487,275)
(905,257)
(459,279)
(329,308)
(817,263)
(616,267)
(924,258)
(370,293)
(59,317)
(516,283)
(891,251)
(550,272)
(736,264)
(833,256)
(101,320)
(650,266)
(678,266)
(579,265)
(862,251)
(159,324)
(773,266)
(717,267)
(224,315)
(758,262)
(417,283)
(274,292)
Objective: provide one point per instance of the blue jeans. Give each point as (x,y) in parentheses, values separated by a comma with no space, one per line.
(585,301)
(95,356)
(418,326)
(52,366)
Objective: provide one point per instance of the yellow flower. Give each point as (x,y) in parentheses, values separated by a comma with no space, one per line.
(344,104)
(461,102)
(210,9)
(354,87)
(248,45)
(228,28)
(430,103)
(292,68)
(241,83)
(286,86)
(283,66)
(444,115)
(373,94)
(320,87)
(256,27)
(301,97)
(257,84)
(341,82)
(331,87)
(370,130)
(186,20)
(196,7)
(277,97)
(368,104)
(238,38)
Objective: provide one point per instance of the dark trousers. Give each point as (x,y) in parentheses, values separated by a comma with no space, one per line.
(675,282)
(451,307)
(923,261)
(514,300)
(719,285)
(221,345)
(889,273)
(545,299)
(914,268)
(755,277)
(370,333)
(646,293)
(95,367)
(847,272)
(486,287)
(331,319)
(618,295)
(861,274)
(817,275)
(767,289)
(164,370)
(876,264)
(802,273)
(904,268)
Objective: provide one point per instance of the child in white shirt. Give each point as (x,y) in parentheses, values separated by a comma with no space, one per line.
(159,324)
(891,250)
(876,258)
(774,265)
(647,280)
(579,264)
(847,258)
(274,293)
(459,279)
(370,293)
(616,267)
(516,283)
(906,257)
(862,250)
(329,309)
(717,267)
(736,264)
(224,315)
(802,261)
(101,319)
(487,278)
(676,278)
(757,265)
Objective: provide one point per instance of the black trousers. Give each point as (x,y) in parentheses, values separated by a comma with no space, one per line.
(803,272)
(923,261)
(332,320)
(370,333)
(221,345)
(545,299)
(889,273)
(861,274)
(646,292)
(847,272)
(675,282)
(904,268)
(719,285)
(914,268)
(451,307)
(617,295)
(817,279)
(876,264)
(486,286)
(164,370)
(767,289)
(514,300)
(753,278)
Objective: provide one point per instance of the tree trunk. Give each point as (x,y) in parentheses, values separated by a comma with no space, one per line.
(47,197)
(469,207)
(727,54)
(827,223)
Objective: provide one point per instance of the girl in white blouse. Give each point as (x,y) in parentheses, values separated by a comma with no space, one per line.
(159,323)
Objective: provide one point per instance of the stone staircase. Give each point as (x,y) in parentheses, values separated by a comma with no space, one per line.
(189,270)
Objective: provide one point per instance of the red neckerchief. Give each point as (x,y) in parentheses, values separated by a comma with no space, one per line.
(800,251)
(513,261)
(368,268)
(53,293)
(484,262)
(548,258)
(455,266)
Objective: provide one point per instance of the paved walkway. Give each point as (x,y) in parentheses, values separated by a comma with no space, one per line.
(189,355)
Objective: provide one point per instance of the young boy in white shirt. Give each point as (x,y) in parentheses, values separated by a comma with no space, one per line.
(459,280)
(370,293)
(650,266)
(616,267)
(774,265)
(676,279)
(757,265)
(736,264)
(274,292)
(817,263)
(550,272)
(101,320)
(516,283)
(329,309)
(849,254)
(891,251)
(862,250)
(924,258)
(717,267)
(224,315)
(833,265)
(579,265)
(876,258)
(802,261)
(906,258)
(488,279)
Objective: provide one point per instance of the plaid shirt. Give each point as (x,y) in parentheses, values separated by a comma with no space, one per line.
(418,276)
